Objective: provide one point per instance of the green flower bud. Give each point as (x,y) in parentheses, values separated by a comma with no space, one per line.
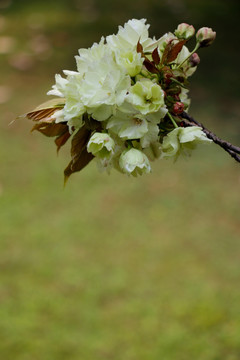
(101,145)
(205,36)
(184,31)
(134,162)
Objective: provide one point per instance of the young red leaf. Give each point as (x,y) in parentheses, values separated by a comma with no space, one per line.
(78,164)
(79,153)
(51,129)
(139,48)
(62,139)
(174,51)
(155,56)
(79,141)
(166,51)
(45,111)
(42,115)
(150,66)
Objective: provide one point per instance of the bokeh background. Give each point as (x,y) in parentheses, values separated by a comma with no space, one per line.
(113,267)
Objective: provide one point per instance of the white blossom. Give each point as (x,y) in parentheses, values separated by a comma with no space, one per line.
(101,145)
(146,96)
(181,140)
(134,162)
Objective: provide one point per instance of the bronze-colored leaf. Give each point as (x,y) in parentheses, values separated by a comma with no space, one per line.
(51,129)
(80,156)
(166,51)
(45,111)
(139,48)
(77,164)
(150,66)
(53,103)
(175,50)
(79,141)
(42,115)
(62,139)
(155,56)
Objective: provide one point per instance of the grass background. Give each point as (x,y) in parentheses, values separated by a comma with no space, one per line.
(113,267)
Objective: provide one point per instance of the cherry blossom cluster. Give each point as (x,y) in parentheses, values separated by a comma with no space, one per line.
(123,104)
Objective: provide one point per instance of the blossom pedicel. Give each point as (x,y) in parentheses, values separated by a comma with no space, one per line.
(123,105)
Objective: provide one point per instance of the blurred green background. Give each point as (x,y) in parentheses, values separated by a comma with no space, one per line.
(113,267)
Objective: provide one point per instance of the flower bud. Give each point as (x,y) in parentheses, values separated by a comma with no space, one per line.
(178,108)
(184,31)
(205,36)
(134,162)
(194,60)
(101,145)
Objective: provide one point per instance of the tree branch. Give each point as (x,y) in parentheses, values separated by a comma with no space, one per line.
(233,150)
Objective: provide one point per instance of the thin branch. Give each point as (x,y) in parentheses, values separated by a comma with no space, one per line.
(233,150)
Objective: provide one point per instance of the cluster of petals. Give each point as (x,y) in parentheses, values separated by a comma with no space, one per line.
(113,87)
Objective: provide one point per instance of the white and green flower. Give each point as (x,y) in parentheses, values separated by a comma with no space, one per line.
(131,61)
(146,96)
(182,140)
(151,136)
(128,126)
(101,145)
(59,88)
(92,55)
(134,162)
(134,31)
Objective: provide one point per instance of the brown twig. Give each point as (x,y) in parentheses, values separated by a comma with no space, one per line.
(233,150)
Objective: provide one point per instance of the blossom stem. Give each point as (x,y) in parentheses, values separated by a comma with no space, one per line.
(194,50)
(172,119)
(232,150)
(178,82)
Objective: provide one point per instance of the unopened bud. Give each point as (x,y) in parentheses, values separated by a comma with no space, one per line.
(194,60)
(178,108)
(184,31)
(205,36)
(167,77)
